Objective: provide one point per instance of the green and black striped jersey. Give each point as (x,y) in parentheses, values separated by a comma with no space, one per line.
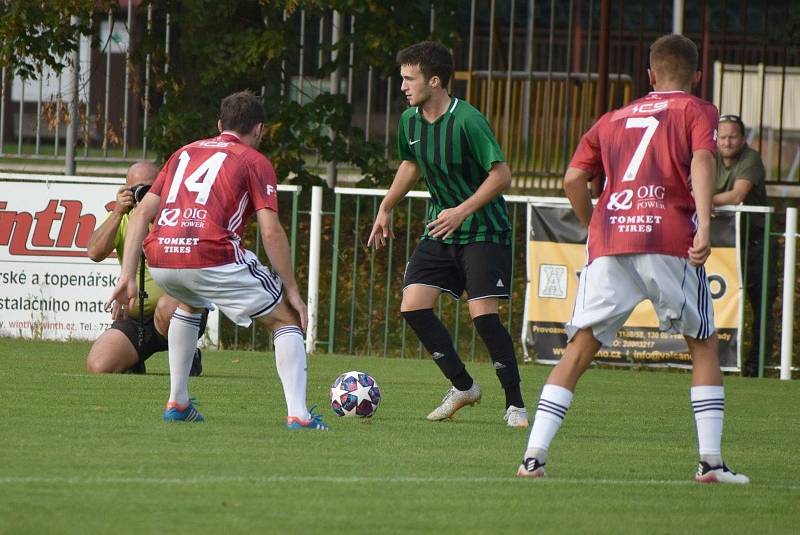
(455,154)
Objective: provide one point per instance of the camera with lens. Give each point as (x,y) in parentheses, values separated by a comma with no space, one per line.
(139,191)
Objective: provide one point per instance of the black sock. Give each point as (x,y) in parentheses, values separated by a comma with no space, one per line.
(434,336)
(501,350)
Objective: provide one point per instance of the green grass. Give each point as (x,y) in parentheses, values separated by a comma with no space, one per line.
(90,454)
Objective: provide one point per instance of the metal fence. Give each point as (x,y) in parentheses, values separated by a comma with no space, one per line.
(540,71)
(355,302)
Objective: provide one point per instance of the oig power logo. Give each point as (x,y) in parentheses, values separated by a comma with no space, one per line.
(620,200)
(189,217)
(647,196)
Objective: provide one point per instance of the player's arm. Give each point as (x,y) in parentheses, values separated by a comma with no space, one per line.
(703,169)
(276,245)
(737,194)
(578,194)
(124,295)
(102,241)
(404,179)
(449,220)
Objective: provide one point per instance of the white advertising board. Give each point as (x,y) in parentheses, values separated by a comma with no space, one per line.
(50,288)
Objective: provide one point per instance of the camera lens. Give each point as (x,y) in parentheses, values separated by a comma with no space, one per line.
(139,191)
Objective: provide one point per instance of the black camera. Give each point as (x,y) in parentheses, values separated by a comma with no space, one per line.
(139,191)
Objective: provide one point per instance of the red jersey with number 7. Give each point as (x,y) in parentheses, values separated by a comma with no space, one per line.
(645,150)
(208,191)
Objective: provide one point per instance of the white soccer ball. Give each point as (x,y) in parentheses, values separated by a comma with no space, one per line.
(355,394)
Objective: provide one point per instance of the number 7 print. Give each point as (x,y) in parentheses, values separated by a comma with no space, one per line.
(650,123)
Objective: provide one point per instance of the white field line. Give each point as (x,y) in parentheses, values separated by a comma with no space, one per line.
(265,480)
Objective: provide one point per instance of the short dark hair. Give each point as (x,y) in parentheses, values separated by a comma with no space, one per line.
(674,57)
(434,59)
(733,119)
(240,112)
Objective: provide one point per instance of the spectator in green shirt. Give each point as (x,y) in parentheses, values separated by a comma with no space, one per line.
(740,180)
(119,349)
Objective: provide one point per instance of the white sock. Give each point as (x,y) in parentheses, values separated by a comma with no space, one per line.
(553,405)
(182,339)
(708,403)
(290,359)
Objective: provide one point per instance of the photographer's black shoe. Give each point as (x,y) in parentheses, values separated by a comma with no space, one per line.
(197,364)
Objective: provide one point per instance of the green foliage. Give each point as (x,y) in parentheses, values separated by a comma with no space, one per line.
(224,46)
(34,33)
(294,131)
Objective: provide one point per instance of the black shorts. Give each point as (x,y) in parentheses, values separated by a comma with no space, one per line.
(152,341)
(483,269)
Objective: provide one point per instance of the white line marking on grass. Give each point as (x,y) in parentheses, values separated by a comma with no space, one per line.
(57,480)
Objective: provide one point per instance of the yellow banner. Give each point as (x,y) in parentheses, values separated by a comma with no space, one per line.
(554,269)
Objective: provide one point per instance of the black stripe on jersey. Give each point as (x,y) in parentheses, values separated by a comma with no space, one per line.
(473,175)
(449,184)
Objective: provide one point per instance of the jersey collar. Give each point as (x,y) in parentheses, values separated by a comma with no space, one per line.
(453,103)
(231,134)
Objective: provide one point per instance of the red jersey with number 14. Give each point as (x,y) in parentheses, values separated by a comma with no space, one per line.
(645,150)
(208,191)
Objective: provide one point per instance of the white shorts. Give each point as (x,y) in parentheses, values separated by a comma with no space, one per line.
(242,291)
(611,287)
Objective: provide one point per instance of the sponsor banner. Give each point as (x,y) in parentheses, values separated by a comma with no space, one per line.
(50,288)
(556,255)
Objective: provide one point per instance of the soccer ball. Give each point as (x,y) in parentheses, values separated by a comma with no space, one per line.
(355,394)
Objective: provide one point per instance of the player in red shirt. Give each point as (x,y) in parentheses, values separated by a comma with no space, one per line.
(649,237)
(199,205)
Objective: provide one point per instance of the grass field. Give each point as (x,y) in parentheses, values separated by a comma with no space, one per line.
(90,454)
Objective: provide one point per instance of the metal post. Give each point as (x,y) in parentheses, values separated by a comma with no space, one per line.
(470,52)
(510,67)
(313,267)
(39,112)
(3,109)
(147,82)
(601,104)
(302,59)
(388,114)
(762,338)
(677,16)
(59,100)
(336,35)
(127,81)
(487,111)
(108,82)
(21,115)
(789,257)
(72,128)
(337,223)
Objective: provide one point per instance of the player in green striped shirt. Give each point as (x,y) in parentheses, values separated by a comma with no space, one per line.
(466,243)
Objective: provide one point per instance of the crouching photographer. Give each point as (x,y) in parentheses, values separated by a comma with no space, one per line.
(126,346)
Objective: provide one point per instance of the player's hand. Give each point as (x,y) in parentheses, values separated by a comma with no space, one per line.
(382,230)
(447,222)
(701,247)
(294,300)
(125,200)
(122,299)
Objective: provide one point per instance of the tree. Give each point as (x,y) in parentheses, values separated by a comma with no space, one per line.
(34,34)
(219,47)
